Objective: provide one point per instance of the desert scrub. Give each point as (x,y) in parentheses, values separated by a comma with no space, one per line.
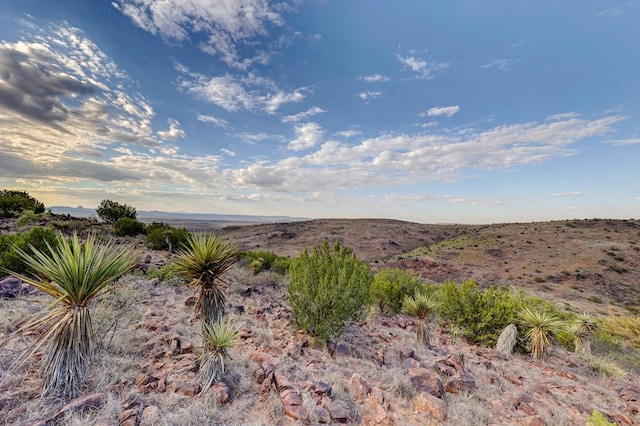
(424,307)
(37,238)
(540,328)
(598,419)
(161,236)
(204,259)
(125,226)
(582,328)
(261,261)
(389,288)
(74,275)
(326,289)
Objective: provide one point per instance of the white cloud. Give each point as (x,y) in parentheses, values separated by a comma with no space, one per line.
(369,94)
(174,132)
(225,24)
(303,115)
(568,194)
(620,142)
(216,121)
(251,93)
(309,135)
(500,64)
(447,111)
(421,67)
(348,133)
(227,152)
(257,137)
(375,78)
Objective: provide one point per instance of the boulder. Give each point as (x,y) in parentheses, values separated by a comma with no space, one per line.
(426,380)
(150,416)
(358,388)
(463,383)
(337,412)
(425,402)
(221,392)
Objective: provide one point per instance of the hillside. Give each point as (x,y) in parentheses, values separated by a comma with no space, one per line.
(374,374)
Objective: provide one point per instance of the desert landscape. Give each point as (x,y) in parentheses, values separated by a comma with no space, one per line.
(374,372)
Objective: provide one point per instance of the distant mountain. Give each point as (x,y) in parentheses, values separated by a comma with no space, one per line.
(149,216)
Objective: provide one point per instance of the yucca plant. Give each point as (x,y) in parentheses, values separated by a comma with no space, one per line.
(218,338)
(74,274)
(582,329)
(204,258)
(425,308)
(507,339)
(541,326)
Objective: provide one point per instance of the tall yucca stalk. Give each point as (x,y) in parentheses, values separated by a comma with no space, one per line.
(218,338)
(541,327)
(204,258)
(582,329)
(424,307)
(73,274)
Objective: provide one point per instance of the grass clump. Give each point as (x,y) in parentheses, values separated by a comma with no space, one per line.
(204,259)
(390,287)
(607,367)
(326,289)
(73,274)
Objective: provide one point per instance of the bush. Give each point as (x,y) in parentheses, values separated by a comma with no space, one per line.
(389,288)
(13,203)
(156,225)
(326,289)
(598,419)
(37,237)
(261,261)
(111,211)
(157,239)
(125,226)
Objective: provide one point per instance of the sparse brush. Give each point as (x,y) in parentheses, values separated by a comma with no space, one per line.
(607,367)
(219,337)
(582,329)
(508,339)
(424,307)
(541,327)
(74,275)
(204,258)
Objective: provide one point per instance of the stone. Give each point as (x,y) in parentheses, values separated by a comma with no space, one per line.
(186,388)
(451,365)
(379,413)
(10,287)
(322,415)
(358,388)
(322,388)
(81,403)
(376,396)
(491,354)
(630,393)
(290,397)
(281,381)
(408,363)
(294,412)
(143,379)
(128,415)
(331,347)
(621,419)
(424,402)
(221,392)
(463,383)
(426,380)
(531,421)
(513,379)
(338,413)
(150,416)
(5,402)
(342,351)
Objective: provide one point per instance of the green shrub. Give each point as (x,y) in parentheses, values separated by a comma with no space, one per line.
(156,225)
(13,203)
(37,237)
(281,265)
(157,239)
(326,289)
(125,226)
(111,211)
(598,419)
(389,288)
(261,261)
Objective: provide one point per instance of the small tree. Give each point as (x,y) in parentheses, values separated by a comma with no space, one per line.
(125,226)
(13,203)
(111,211)
(425,308)
(389,288)
(326,289)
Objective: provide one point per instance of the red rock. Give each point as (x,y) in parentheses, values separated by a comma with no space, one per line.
(424,402)
(358,388)
(379,413)
(294,412)
(290,397)
(630,393)
(220,392)
(530,421)
(186,388)
(621,419)
(150,416)
(322,388)
(82,403)
(491,354)
(376,396)
(513,379)
(143,379)
(463,383)
(410,363)
(423,379)
(338,413)
(130,414)
(322,415)
(281,381)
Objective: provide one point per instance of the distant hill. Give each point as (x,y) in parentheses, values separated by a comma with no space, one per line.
(150,216)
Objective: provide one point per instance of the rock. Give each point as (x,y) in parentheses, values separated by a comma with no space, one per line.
(513,379)
(526,404)
(342,351)
(408,363)
(294,412)
(10,287)
(150,416)
(221,392)
(463,383)
(143,379)
(491,354)
(281,381)
(451,365)
(186,388)
(376,396)
(530,421)
(191,300)
(292,404)
(426,380)
(294,350)
(379,413)
(338,413)
(358,388)
(322,388)
(621,419)
(424,402)
(331,347)
(322,415)
(5,402)
(630,393)
(82,403)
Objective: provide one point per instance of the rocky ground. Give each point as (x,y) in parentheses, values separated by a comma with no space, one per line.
(144,369)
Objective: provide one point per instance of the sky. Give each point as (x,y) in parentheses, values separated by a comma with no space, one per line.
(431,112)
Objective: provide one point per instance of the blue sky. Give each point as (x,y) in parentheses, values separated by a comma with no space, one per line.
(457,111)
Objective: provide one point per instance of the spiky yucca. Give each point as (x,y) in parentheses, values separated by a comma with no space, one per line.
(219,337)
(425,308)
(582,329)
(541,327)
(204,258)
(73,274)
(508,339)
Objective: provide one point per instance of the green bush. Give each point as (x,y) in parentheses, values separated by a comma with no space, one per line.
(156,225)
(111,211)
(13,203)
(125,226)
(598,419)
(389,288)
(260,261)
(37,237)
(157,239)
(326,289)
